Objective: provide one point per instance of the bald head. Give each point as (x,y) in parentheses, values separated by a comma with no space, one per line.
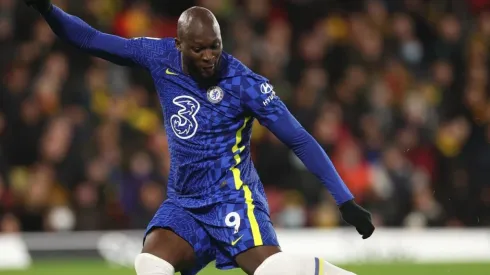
(196,20)
(199,41)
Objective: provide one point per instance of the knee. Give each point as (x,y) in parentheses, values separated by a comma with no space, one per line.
(168,246)
(279,263)
(148,264)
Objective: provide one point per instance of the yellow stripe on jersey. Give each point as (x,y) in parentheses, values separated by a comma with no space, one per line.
(237,150)
(257,237)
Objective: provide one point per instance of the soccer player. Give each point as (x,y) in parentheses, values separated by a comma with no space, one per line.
(216,207)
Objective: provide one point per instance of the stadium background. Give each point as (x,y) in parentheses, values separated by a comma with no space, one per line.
(395,91)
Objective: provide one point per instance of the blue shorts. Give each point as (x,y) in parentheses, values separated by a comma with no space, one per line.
(217,232)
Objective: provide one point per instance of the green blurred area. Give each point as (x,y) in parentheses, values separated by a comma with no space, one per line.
(100,268)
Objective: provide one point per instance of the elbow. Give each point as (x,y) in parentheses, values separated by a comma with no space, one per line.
(86,41)
(299,137)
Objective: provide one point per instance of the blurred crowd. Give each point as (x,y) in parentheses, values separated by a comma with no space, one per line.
(395,91)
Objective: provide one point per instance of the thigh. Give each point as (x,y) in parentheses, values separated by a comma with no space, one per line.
(176,237)
(258,242)
(166,244)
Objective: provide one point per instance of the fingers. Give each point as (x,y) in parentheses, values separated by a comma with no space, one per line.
(368,230)
(367,235)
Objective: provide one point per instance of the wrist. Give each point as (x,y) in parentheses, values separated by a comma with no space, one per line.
(347,204)
(45,8)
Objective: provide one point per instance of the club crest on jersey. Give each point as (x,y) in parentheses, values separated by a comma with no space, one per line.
(215,94)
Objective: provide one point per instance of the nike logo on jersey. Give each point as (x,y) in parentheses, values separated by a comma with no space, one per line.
(170,72)
(235,241)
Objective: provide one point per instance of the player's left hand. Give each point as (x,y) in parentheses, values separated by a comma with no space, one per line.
(360,218)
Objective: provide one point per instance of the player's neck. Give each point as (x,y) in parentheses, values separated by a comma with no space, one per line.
(184,67)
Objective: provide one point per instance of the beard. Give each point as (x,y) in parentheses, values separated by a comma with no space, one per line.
(205,81)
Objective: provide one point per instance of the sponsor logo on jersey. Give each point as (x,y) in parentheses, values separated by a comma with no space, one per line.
(184,123)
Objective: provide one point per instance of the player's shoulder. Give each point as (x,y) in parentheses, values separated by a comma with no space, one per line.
(237,75)
(155,51)
(165,43)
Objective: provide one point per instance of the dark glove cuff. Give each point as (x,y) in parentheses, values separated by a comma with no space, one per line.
(347,205)
(44,8)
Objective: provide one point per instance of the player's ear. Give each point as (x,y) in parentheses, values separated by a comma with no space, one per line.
(178,45)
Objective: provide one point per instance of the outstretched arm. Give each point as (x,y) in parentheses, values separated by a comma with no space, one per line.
(290,132)
(73,30)
(271,112)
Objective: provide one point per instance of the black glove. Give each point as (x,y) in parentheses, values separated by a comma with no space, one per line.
(358,217)
(41,6)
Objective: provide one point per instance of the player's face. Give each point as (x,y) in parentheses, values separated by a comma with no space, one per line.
(201,53)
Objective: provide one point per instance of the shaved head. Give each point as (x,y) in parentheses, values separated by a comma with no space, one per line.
(199,41)
(196,19)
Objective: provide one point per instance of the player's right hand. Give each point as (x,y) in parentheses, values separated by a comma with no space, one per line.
(360,218)
(41,6)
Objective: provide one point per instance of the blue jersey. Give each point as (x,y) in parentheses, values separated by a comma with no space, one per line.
(208,129)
